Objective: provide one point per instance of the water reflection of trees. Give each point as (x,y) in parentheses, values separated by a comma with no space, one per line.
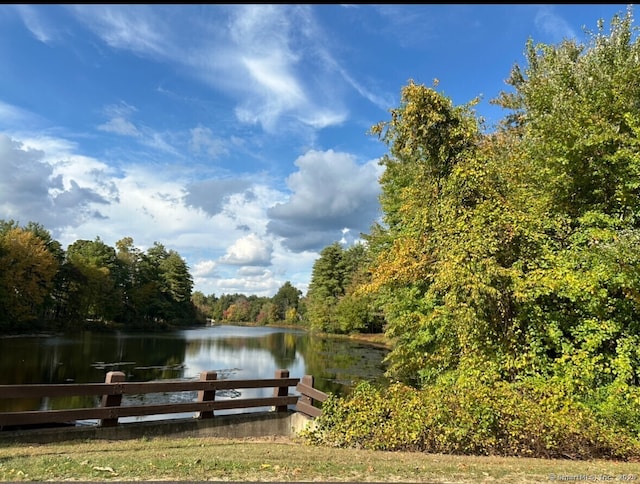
(280,346)
(336,364)
(85,358)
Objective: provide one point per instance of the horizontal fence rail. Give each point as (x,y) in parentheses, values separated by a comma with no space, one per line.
(115,387)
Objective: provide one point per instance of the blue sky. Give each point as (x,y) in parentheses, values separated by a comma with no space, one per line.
(237,134)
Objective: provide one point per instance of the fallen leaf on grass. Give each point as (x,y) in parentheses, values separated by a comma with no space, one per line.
(104,469)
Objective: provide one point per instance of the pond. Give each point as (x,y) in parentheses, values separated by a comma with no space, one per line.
(234,352)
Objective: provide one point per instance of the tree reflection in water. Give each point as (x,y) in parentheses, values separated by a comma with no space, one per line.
(235,352)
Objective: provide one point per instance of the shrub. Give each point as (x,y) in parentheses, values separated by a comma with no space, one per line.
(532,418)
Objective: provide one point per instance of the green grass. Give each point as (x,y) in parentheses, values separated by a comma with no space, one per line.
(277,459)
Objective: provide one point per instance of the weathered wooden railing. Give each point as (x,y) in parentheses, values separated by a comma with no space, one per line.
(115,387)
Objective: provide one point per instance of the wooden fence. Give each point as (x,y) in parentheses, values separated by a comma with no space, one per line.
(115,386)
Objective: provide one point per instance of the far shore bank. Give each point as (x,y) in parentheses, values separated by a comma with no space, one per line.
(374,339)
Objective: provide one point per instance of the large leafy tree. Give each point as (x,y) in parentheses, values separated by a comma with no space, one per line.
(578,110)
(94,289)
(516,251)
(326,288)
(27,271)
(285,301)
(433,147)
(55,298)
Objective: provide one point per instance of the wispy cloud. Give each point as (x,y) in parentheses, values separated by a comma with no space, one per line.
(119,125)
(251,52)
(547,21)
(118,122)
(410,26)
(203,140)
(15,116)
(131,27)
(36,23)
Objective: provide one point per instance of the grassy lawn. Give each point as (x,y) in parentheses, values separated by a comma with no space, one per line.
(280,459)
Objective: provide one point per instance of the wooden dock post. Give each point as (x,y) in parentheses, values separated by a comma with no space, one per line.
(112,400)
(207,395)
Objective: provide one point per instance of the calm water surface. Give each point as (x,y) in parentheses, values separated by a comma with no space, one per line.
(235,352)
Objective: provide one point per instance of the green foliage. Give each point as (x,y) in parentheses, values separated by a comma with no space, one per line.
(580,111)
(27,273)
(507,265)
(335,303)
(359,313)
(443,264)
(578,300)
(472,414)
(327,286)
(285,299)
(93,286)
(268,314)
(517,250)
(42,284)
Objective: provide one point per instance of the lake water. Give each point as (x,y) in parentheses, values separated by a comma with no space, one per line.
(235,352)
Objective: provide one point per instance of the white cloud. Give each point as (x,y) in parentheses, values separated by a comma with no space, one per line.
(330,192)
(383,102)
(34,186)
(263,284)
(271,73)
(252,52)
(80,197)
(119,123)
(249,250)
(11,115)
(320,119)
(253,271)
(204,268)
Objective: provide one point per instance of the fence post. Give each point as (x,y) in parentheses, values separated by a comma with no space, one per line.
(207,395)
(112,400)
(281,391)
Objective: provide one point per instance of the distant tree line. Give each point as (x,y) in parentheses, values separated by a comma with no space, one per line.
(331,304)
(43,286)
(286,306)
